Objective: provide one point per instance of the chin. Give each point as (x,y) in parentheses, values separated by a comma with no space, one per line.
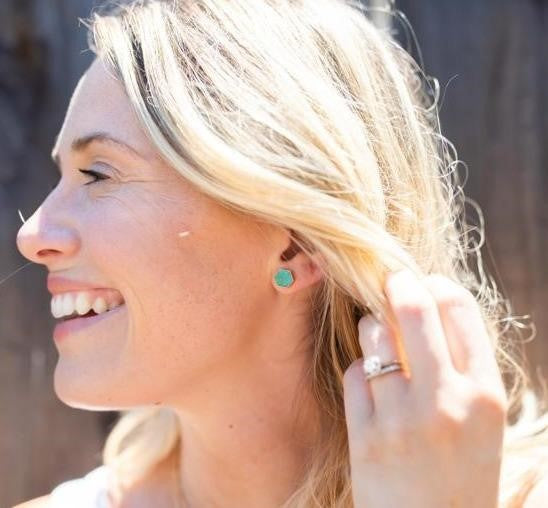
(75,390)
(93,391)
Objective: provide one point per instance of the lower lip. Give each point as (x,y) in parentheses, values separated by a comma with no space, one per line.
(75,325)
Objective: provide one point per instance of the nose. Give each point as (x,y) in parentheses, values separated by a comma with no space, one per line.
(46,241)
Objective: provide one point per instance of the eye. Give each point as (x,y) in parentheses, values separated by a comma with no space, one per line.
(98,176)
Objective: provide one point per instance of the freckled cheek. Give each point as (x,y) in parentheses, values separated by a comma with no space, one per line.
(112,247)
(182,295)
(173,285)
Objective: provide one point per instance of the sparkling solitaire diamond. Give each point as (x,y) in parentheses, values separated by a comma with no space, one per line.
(372,365)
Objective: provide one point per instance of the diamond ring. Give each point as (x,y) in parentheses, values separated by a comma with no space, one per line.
(373,367)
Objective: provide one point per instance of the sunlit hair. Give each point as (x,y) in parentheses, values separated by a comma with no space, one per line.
(307,115)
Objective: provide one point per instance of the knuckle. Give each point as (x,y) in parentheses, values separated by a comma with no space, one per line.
(457,298)
(413,308)
(441,425)
(403,438)
(414,300)
(449,293)
(443,418)
(491,404)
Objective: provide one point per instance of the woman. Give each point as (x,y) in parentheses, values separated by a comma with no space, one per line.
(257,202)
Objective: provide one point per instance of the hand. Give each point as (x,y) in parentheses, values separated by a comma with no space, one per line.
(429,436)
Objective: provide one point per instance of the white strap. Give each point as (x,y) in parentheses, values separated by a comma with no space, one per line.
(91,491)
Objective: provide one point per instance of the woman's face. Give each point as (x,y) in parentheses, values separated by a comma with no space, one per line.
(195,305)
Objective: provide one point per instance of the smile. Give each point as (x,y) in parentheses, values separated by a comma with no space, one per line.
(73,325)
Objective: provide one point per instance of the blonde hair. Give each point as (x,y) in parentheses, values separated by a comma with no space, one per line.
(305,114)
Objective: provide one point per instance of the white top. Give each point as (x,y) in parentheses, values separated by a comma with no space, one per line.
(90,491)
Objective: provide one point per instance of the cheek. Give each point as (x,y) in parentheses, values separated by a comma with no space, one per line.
(203,314)
(196,309)
(194,305)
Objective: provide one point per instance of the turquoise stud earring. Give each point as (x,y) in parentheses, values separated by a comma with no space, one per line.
(284,278)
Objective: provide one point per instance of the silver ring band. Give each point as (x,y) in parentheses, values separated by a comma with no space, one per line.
(372,367)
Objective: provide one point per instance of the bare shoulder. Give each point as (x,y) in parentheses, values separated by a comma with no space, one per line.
(538,495)
(38,502)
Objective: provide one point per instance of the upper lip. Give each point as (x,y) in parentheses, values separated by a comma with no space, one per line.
(63,284)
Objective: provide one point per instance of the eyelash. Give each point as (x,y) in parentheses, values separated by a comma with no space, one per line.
(98,176)
(95,174)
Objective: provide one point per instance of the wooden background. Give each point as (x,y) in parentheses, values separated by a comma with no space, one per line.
(42,441)
(491,59)
(491,62)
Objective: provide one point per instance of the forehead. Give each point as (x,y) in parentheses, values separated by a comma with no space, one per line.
(99,103)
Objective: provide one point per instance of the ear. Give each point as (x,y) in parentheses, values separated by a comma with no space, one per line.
(305,270)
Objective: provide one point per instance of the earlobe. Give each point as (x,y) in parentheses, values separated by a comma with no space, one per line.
(309,274)
(299,265)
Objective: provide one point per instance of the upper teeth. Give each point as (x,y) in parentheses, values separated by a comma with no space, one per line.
(81,303)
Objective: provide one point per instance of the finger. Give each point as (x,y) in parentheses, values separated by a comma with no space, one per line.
(420,329)
(387,389)
(358,402)
(467,336)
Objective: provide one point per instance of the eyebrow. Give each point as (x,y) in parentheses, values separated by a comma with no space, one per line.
(81,143)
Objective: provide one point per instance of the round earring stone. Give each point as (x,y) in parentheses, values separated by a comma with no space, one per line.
(284,278)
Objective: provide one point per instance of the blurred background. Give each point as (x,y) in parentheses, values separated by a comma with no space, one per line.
(490,57)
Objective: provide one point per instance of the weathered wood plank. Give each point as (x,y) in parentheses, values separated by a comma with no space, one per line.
(491,59)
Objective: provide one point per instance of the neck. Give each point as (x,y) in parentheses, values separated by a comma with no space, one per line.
(249,443)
